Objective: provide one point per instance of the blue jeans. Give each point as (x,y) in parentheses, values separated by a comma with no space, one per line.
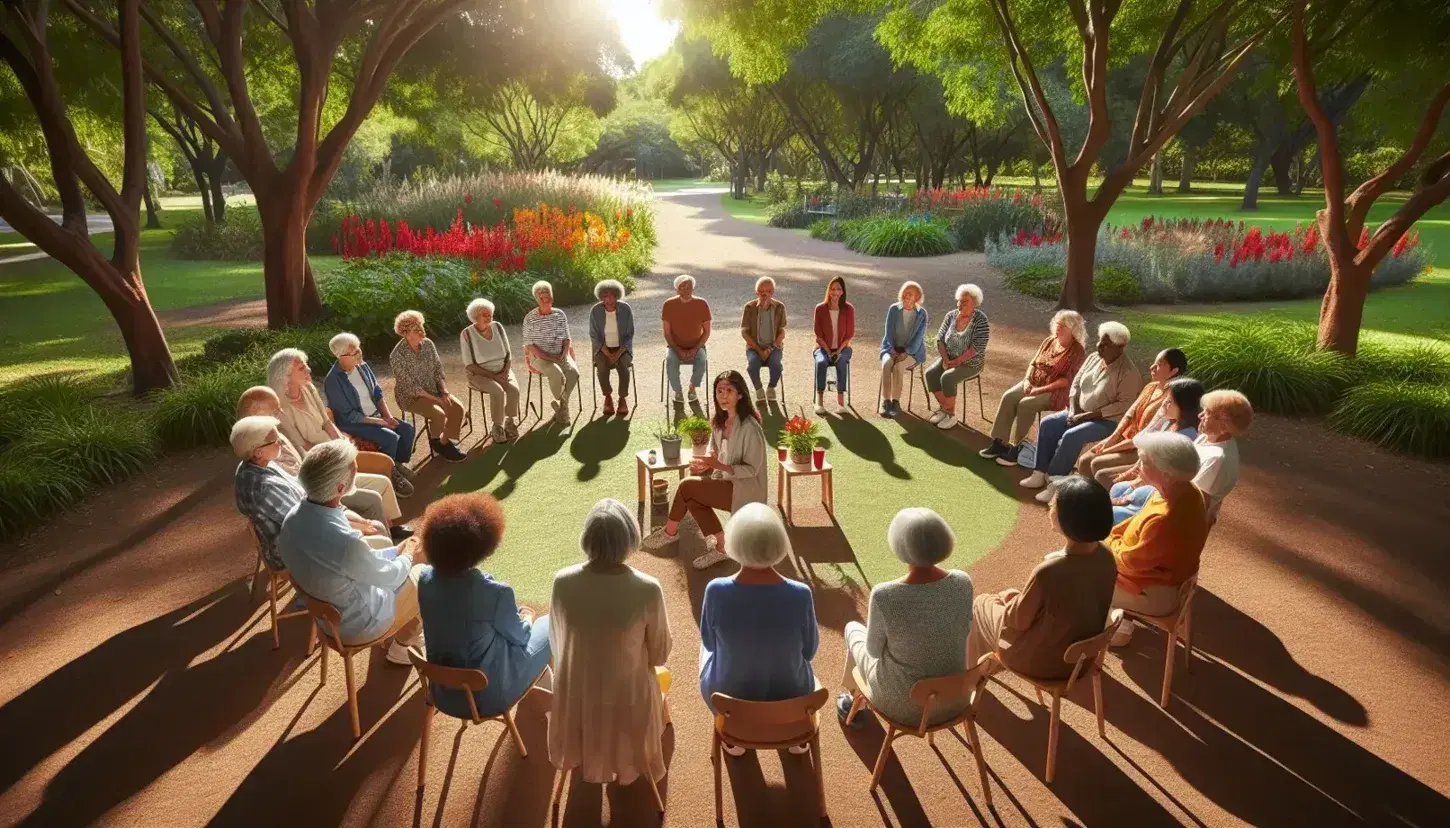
(697,368)
(1139,494)
(397,443)
(1058,446)
(843,369)
(753,363)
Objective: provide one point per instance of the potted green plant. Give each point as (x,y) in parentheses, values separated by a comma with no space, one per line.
(696,428)
(799,436)
(669,437)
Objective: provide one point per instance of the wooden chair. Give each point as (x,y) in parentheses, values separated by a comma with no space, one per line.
(767,726)
(469,682)
(330,620)
(1086,658)
(928,692)
(421,429)
(1174,625)
(665,679)
(278,582)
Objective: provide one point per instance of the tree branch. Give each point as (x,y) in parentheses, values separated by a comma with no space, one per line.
(1331,160)
(1364,197)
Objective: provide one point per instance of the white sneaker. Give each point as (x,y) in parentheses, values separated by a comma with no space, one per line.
(797,750)
(694,394)
(936,416)
(1036,480)
(1046,495)
(398,654)
(709,559)
(734,751)
(1122,635)
(759,394)
(947,422)
(820,409)
(770,393)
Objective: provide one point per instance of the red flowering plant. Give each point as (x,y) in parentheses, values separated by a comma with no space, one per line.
(800,434)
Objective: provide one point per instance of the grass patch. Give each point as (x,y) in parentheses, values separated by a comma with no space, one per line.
(1274,364)
(1403,416)
(753,208)
(674,185)
(901,237)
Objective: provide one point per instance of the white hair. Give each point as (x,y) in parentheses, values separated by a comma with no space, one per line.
(973,290)
(908,285)
(250,434)
(755,537)
(342,343)
(279,367)
(1170,453)
(1115,331)
(407,321)
(764,280)
(541,285)
(609,286)
(684,279)
(920,537)
(477,306)
(1074,322)
(326,468)
(610,532)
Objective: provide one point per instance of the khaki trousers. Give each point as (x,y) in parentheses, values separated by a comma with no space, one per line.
(893,375)
(562,376)
(1155,599)
(374,498)
(1104,467)
(445,420)
(503,398)
(989,612)
(1016,412)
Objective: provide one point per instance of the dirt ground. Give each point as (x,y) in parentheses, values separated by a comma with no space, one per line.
(140,688)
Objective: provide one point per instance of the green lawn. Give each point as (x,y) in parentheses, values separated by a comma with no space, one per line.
(561,475)
(670,185)
(750,209)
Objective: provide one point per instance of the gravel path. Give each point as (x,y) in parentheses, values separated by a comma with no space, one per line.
(139,688)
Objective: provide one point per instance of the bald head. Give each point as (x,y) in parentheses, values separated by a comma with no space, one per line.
(259,400)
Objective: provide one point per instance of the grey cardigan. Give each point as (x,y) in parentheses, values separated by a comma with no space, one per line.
(623,314)
(745,454)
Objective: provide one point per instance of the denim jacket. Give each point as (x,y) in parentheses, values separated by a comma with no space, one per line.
(623,314)
(917,346)
(342,397)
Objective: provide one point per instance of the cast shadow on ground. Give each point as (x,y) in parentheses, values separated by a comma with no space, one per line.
(628,804)
(596,442)
(184,707)
(958,447)
(866,441)
(513,460)
(759,804)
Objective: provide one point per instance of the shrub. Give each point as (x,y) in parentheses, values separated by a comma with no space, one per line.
(789,215)
(1116,285)
(1424,363)
(1042,280)
(983,218)
(200,411)
(239,239)
(827,229)
(1403,416)
(900,237)
(1274,363)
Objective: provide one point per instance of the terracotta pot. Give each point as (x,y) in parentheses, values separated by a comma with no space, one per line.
(800,458)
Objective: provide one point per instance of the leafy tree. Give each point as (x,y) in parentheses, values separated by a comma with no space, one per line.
(636,138)
(742,122)
(536,129)
(26,49)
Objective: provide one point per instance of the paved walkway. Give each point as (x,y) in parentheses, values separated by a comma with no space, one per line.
(141,689)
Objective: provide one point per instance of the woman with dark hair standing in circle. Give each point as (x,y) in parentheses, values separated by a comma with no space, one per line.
(1067,597)
(735,463)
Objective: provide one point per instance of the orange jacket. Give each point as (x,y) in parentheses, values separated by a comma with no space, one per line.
(1162,543)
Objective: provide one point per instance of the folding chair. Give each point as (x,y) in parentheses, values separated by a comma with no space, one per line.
(664,379)
(468,682)
(920,378)
(1175,625)
(529,389)
(1086,658)
(277,583)
(767,726)
(594,385)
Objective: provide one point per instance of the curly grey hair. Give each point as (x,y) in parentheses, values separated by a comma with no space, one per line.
(613,286)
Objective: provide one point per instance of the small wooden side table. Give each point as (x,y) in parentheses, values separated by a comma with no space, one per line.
(647,472)
(787,470)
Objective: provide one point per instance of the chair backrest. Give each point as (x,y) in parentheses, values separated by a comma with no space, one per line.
(329,617)
(257,540)
(459,678)
(1185,594)
(940,690)
(775,722)
(1087,654)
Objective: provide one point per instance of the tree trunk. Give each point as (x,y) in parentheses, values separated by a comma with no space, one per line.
(153,221)
(1185,173)
(1283,178)
(1155,176)
(199,176)
(218,198)
(1251,186)
(152,368)
(1342,310)
(760,175)
(1081,223)
(292,297)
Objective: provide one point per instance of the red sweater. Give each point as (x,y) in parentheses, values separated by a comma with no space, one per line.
(846,323)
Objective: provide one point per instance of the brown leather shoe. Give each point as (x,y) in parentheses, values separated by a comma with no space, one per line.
(608,406)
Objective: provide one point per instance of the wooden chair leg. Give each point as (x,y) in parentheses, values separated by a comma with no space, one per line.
(351,696)
(311,636)
(272,588)
(856,701)
(1039,696)
(655,790)
(820,770)
(717,760)
(976,744)
(1098,702)
(881,757)
(322,658)
(508,720)
(1052,737)
(1172,636)
(1188,642)
(559,789)
(423,745)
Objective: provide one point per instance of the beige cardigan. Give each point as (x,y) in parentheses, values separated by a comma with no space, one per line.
(745,454)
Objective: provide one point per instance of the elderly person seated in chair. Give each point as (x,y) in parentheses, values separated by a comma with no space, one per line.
(916,627)
(961,347)
(757,628)
(374,499)
(1222,416)
(470,619)
(1114,454)
(266,494)
(1066,598)
(419,387)
(611,336)
(762,326)
(547,348)
(685,320)
(1043,388)
(307,421)
(1158,549)
(610,636)
(357,403)
(488,360)
(1103,389)
(903,345)
(373,589)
